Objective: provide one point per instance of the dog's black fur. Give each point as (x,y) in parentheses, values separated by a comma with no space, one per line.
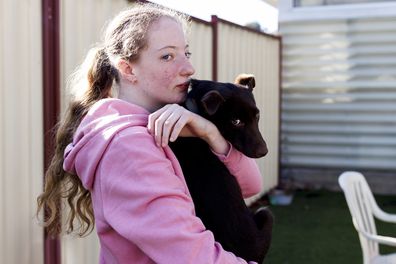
(216,193)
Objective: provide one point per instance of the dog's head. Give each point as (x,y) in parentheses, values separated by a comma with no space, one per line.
(232,108)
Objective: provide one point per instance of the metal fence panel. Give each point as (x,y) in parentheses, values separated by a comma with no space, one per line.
(200,40)
(21,140)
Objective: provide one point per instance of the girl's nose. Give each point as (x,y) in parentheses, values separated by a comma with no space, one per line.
(187,68)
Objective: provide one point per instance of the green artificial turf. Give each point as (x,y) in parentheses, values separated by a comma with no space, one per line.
(317,228)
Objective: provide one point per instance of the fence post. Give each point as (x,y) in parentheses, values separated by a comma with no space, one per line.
(51,105)
(215,36)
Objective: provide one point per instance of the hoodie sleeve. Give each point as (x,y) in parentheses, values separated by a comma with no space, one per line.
(244,169)
(146,202)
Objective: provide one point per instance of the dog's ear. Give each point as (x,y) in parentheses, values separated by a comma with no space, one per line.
(211,101)
(246,80)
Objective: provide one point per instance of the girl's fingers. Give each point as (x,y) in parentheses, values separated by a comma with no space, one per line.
(168,127)
(153,117)
(180,124)
(172,121)
(161,123)
(159,127)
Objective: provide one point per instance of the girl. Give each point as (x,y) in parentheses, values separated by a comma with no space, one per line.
(112,161)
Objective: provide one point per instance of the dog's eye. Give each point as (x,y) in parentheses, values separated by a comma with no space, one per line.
(237,122)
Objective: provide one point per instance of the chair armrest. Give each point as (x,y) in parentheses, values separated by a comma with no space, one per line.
(381,215)
(385,240)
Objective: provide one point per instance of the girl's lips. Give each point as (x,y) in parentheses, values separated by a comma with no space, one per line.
(184,86)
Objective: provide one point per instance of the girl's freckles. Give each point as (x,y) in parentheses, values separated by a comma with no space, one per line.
(167,75)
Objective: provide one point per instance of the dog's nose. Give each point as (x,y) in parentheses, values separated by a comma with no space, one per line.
(261,151)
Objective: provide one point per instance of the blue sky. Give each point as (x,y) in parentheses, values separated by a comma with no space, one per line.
(237,11)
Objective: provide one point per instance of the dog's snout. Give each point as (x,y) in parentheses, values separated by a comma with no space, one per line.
(264,152)
(261,151)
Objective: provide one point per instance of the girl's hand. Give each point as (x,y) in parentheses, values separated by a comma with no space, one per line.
(173,120)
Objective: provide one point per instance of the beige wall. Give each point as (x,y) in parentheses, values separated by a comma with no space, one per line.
(21,141)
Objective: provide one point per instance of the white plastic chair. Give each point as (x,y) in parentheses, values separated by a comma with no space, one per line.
(363,207)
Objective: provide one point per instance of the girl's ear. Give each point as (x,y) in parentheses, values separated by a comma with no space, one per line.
(126,71)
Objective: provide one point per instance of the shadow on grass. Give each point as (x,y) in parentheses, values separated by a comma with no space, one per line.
(317,228)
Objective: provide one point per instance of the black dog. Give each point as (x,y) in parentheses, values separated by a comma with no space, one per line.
(216,193)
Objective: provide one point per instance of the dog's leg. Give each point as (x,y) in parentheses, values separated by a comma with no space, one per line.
(264,220)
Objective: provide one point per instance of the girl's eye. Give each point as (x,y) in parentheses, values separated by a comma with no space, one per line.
(237,122)
(167,57)
(258,116)
(188,54)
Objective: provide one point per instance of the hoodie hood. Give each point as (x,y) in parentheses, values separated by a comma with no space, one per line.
(97,129)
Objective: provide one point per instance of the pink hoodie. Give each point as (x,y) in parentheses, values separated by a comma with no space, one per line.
(143,209)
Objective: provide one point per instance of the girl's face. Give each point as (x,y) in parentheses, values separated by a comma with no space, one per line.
(163,68)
